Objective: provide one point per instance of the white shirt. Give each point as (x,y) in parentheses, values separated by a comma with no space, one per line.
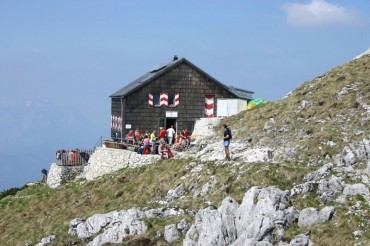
(170,132)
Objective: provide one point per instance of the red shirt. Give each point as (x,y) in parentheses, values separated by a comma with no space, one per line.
(137,135)
(162,133)
(185,134)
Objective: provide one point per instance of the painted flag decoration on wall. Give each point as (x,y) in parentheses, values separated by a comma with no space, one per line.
(116,123)
(177,99)
(164,99)
(150,100)
(209,106)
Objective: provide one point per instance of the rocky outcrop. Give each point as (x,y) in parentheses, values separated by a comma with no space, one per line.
(258,220)
(214,226)
(46,240)
(115,226)
(311,216)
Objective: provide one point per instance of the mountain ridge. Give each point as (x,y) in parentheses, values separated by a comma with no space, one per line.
(319,136)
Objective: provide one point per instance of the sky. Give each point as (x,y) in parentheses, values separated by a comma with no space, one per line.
(75,53)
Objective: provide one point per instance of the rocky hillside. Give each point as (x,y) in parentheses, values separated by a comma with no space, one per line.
(313,191)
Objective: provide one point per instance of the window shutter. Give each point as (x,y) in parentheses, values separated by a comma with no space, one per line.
(177,99)
(164,99)
(150,100)
(209,106)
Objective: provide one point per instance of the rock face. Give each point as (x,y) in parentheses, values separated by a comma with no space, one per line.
(258,220)
(311,216)
(115,226)
(214,226)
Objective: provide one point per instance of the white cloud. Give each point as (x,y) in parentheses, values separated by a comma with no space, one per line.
(319,13)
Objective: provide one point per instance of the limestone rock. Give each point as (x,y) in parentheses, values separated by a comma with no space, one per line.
(171,234)
(213,227)
(183,226)
(259,213)
(175,193)
(262,211)
(349,157)
(310,216)
(46,240)
(328,190)
(113,227)
(319,174)
(355,189)
(301,240)
(59,174)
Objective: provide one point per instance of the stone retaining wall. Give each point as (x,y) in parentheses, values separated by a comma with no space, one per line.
(60,174)
(101,162)
(107,160)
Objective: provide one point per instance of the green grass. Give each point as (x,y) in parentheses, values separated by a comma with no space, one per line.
(334,112)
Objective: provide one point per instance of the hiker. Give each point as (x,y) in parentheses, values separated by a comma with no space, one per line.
(180,143)
(185,135)
(162,149)
(227,138)
(137,135)
(153,139)
(44,174)
(170,135)
(162,133)
(130,137)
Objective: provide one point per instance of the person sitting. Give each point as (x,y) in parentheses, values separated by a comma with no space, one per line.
(162,149)
(146,144)
(130,137)
(137,135)
(180,142)
(185,135)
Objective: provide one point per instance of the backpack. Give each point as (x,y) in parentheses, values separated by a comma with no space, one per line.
(230,136)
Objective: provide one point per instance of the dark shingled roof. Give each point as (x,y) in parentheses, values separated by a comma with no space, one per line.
(151,75)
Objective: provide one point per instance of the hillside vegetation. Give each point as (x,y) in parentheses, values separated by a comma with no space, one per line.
(332,107)
(313,124)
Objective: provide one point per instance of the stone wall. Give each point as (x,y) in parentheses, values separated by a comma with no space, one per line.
(60,174)
(107,160)
(101,162)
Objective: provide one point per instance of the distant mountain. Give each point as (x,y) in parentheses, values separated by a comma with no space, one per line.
(31,132)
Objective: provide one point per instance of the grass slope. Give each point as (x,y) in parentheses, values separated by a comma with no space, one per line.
(336,112)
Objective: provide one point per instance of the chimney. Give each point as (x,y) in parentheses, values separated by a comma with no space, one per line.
(175,58)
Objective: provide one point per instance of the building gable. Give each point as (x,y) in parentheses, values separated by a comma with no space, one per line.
(159,71)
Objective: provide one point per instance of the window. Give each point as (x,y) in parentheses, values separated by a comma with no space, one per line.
(156,101)
(164,100)
(171,101)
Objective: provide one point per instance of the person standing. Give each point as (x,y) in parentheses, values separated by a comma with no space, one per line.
(153,139)
(162,133)
(170,135)
(227,138)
